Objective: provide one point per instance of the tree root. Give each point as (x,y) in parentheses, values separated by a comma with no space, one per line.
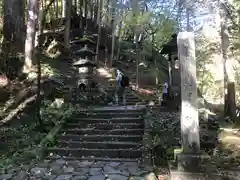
(15,101)
(20,108)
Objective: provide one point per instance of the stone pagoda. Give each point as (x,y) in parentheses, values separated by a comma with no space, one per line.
(85,64)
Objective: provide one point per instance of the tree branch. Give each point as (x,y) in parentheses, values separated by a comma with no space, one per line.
(21,106)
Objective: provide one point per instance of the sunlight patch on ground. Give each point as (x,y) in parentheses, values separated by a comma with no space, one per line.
(104,72)
(230,140)
(232,130)
(142,90)
(111,79)
(46,70)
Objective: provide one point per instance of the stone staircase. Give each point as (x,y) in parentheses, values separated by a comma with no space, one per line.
(101,134)
(131,98)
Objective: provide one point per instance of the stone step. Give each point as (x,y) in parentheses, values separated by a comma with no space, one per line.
(99,145)
(118,109)
(105,126)
(106,120)
(107,153)
(128,99)
(129,102)
(109,115)
(94,159)
(128,96)
(134,103)
(92,131)
(126,93)
(94,138)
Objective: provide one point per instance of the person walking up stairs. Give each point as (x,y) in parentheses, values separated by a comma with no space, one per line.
(122,81)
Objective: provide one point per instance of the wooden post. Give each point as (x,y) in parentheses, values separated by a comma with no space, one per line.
(189,109)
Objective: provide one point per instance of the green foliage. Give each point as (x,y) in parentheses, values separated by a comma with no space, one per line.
(51,112)
(204,55)
(165,129)
(18,142)
(163,28)
(15,141)
(156,28)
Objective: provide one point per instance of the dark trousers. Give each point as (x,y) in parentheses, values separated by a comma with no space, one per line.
(120,95)
(164,99)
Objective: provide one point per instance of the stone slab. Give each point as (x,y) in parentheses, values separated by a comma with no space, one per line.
(180,175)
(129,107)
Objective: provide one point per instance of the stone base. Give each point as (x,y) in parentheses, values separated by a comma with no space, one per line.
(194,163)
(179,175)
(193,167)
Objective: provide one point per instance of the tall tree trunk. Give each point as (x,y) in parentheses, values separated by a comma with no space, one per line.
(155,60)
(106,19)
(39,74)
(75,6)
(39,24)
(57,6)
(229,85)
(13,31)
(7,33)
(30,37)
(39,95)
(96,4)
(99,30)
(136,13)
(106,54)
(40,18)
(81,13)
(113,45)
(67,24)
(91,9)
(18,22)
(86,13)
(112,20)
(120,29)
(64,8)
(137,60)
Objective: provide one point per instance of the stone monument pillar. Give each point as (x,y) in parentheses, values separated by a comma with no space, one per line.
(189,105)
(190,163)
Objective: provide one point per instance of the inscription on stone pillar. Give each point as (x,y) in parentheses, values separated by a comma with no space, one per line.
(189,108)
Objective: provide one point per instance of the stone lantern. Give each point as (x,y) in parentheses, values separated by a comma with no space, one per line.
(79,44)
(85,67)
(84,41)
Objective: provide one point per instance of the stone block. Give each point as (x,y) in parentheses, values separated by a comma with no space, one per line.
(180,175)
(194,163)
(193,167)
